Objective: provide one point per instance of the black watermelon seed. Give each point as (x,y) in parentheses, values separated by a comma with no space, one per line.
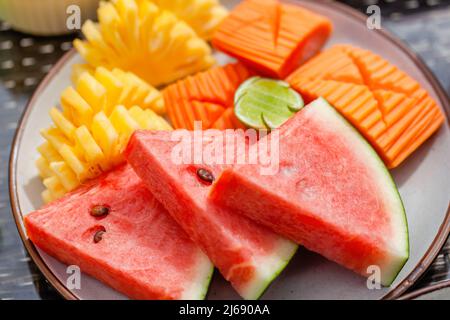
(99,211)
(98,236)
(205,175)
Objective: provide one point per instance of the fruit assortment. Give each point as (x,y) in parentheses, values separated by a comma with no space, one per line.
(247,224)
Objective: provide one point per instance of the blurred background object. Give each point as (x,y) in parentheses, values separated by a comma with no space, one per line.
(46,17)
(424,25)
(395,9)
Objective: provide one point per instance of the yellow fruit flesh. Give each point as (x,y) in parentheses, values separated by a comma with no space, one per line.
(138,36)
(201,15)
(97,119)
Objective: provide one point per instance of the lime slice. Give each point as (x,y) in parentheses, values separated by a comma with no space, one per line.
(263,103)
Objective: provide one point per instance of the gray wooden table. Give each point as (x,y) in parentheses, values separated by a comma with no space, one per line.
(25,60)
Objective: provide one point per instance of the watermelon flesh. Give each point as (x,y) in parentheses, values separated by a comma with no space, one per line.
(331,194)
(248,255)
(143,252)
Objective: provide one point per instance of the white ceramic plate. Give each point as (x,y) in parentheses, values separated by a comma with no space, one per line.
(423,181)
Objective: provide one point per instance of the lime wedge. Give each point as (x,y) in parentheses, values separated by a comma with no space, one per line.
(263,103)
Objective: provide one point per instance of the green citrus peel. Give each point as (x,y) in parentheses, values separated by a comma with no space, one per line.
(262,103)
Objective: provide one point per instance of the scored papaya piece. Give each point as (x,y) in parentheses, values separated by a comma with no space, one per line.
(427,121)
(271,36)
(399,111)
(432,125)
(228,120)
(388,107)
(356,102)
(378,73)
(339,67)
(207,97)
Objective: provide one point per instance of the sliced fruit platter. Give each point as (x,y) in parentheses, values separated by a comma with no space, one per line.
(281,143)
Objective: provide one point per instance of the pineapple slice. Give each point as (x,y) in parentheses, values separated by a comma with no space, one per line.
(202,15)
(78,69)
(93,126)
(123,87)
(55,189)
(65,175)
(138,36)
(43,167)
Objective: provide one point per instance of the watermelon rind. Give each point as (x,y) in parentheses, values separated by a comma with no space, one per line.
(400,246)
(199,287)
(271,267)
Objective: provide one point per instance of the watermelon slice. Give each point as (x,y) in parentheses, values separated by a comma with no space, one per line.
(248,255)
(132,244)
(332,194)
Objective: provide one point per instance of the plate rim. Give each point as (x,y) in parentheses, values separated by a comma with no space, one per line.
(394,293)
(12,177)
(426,290)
